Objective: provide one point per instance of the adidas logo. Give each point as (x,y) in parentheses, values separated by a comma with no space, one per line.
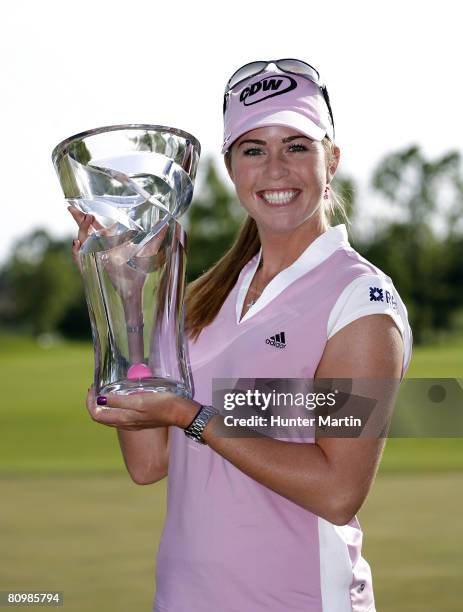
(278,340)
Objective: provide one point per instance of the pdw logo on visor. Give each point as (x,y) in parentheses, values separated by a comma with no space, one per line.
(267,88)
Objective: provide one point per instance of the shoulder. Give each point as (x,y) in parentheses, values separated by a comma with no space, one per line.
(368,290)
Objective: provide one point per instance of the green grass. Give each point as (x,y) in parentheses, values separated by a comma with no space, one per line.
(44,419)
(92,536)
(443,360)
(413,539)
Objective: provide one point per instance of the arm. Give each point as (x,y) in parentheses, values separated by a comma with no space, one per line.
(332,477)
(145,453)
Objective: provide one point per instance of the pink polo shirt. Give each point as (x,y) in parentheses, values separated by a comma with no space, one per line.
(229,543)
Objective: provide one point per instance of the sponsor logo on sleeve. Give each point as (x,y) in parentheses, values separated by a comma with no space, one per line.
(376,294)
(391,300)
(383,295)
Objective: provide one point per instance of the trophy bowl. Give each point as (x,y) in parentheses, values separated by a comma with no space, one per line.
(136,180)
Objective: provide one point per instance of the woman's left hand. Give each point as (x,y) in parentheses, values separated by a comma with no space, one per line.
(142,410)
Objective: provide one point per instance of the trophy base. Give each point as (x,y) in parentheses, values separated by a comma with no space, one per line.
(153,385)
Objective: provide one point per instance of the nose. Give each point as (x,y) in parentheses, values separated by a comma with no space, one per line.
(276,167)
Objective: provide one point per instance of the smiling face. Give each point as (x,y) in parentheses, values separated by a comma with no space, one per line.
(280,178)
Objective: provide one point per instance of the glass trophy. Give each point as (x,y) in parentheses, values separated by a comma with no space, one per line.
(136,180)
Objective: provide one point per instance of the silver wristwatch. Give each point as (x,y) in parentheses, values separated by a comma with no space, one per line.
(195,429)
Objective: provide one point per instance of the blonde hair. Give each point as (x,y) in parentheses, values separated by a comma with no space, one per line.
(206,295)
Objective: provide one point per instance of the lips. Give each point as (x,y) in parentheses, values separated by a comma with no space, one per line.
(278,196)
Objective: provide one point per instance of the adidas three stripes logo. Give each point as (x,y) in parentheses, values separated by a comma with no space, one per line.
(278,340)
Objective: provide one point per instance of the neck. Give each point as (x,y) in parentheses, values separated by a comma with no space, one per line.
(280,250)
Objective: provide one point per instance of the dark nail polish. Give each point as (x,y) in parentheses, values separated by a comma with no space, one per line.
(101,400)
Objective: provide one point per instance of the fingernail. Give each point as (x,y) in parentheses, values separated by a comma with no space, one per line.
(101,400)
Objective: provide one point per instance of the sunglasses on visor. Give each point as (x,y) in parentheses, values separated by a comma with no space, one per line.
(291,66)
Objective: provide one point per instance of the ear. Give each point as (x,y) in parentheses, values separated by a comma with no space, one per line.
(333,163)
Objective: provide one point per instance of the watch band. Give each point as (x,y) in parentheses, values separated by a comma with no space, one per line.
(195,429)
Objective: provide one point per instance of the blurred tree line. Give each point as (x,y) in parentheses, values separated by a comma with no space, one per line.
(421,249)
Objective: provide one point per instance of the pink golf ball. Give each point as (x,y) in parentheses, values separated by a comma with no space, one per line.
(139,370)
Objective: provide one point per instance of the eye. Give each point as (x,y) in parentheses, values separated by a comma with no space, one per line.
(297,147)
(252,152)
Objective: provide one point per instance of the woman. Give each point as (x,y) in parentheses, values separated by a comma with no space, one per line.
(261,524)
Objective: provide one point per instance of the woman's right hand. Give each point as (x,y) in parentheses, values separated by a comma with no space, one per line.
(85,224)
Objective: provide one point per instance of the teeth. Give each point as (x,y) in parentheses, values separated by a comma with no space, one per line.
(279,197)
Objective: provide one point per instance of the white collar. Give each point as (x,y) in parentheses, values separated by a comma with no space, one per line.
(317,251)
